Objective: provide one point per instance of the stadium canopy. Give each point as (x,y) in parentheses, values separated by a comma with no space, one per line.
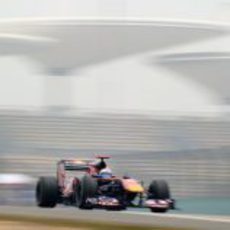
(71,43)
(207,63)
(61,45)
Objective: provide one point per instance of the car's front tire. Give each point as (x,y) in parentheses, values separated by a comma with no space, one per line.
(159,190)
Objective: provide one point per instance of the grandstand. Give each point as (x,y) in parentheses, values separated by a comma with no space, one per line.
(191,153)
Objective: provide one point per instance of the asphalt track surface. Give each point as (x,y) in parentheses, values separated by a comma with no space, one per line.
(131,216)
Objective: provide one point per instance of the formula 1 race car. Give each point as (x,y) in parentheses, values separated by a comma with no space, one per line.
(89,184)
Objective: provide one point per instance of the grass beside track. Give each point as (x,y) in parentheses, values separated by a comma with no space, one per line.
(49,223)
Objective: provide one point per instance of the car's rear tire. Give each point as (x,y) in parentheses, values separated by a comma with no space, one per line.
(88,189)
(159,190)
(47,192)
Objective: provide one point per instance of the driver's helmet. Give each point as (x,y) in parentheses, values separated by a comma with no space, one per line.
(106,173)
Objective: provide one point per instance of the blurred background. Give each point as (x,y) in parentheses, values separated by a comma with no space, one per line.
(146,82)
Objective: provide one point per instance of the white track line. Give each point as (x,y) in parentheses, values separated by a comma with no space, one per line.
(222,219)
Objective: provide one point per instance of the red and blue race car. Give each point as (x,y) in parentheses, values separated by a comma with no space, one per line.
(89,183)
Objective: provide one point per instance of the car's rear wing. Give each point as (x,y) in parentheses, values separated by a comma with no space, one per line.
(76,167)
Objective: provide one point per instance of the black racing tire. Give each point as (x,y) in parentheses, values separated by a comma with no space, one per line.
(159,189)
(77,194)
(47,192)
(88,189)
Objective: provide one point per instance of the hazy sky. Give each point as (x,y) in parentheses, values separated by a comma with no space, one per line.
(122,84)
(194,9)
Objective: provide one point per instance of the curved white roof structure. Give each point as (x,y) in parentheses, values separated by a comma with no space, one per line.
(206,63)
(82,42)
(22,43)
(61,45)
